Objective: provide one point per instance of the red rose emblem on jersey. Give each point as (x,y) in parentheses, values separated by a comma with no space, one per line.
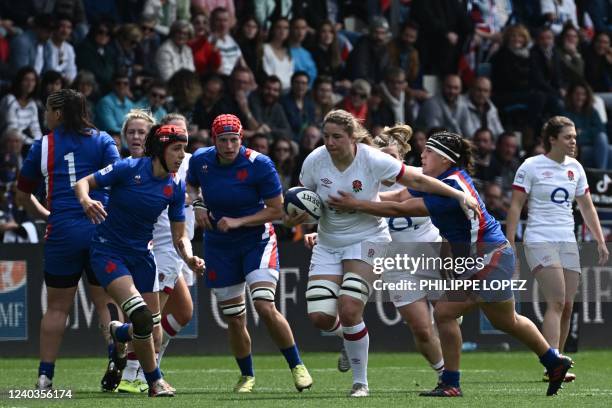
(168,190)
(371,252)
(357,186)
(241,175)
(110,267)
(570,175)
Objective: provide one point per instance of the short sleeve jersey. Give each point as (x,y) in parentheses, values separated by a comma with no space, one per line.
(551,187)
(363,179)
(60,159)
(137,198)
(234,190)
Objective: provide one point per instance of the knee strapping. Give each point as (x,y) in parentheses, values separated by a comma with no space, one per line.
(322,297)
(263,293)
(233,310)
(356,287)
(139,314)
(157,319)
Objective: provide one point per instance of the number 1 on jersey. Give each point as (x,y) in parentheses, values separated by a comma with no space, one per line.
(71,169)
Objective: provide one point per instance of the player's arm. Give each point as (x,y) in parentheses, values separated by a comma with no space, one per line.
(194,196)
(182,244)
(414,207)
(397,195)
(415,180)
(514,213)
(589,214)
(271,212)
(93,208)
(31,204)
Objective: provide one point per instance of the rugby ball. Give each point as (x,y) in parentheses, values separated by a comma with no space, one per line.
(300,200)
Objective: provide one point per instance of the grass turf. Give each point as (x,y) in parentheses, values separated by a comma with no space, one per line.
(488,380)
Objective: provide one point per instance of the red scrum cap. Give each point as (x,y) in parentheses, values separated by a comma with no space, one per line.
(226,124)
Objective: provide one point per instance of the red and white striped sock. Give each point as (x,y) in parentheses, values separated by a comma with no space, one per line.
(170,328)
(357,343)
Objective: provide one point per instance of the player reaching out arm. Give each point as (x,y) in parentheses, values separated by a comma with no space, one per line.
(447,156)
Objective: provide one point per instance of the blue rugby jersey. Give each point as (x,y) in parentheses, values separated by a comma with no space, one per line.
(234,190)
(137,198)
(446,214)
(60,159)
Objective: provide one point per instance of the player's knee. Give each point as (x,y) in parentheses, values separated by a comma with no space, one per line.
(422,334)
(443,316)
(504,323)
(322,300)
(141,317)
(556,306)
(322,321)
(183,317)
(265,309)
(567,308)
(355,287)
(233,312)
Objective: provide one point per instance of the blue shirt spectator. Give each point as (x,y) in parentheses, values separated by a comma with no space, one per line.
(112,108)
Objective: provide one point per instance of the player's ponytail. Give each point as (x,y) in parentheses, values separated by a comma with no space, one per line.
(398,135)
(350,124)
(73,106)
(466,161)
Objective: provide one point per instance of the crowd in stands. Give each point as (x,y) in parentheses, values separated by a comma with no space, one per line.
(491,70)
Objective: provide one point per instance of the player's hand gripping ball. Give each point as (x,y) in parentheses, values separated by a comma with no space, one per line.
(300,201)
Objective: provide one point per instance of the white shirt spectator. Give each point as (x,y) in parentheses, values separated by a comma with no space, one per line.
(169,59)
(23,118)
(62,59)
(229,50)
(282,68)
(562,12)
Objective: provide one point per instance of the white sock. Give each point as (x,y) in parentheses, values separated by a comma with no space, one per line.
(131,368)
(140,374)
(356,343)
(170,328)
(438,367)
(337,329)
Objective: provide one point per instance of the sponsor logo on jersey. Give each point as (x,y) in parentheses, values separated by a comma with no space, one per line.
(371,252)
(167,190)
(205,168)
(548,174)
(242,174)
(357,186)
(570,175)
(161,277)
(326,182)
(106,170)
(137,179)
(520,176)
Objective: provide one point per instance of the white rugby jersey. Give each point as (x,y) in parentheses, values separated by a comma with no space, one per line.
(162,235)
(410,229)
(551,187)
(362,178)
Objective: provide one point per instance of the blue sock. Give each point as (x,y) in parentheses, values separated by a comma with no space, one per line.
(111,349)
(47,369)
(292,355)
(246,365)
(450,378)
(549,359)
(123,333)
(153,376)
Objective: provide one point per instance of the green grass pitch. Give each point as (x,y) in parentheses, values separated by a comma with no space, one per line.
(498,380)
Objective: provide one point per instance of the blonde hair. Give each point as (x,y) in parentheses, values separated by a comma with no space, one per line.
(398,135)
(351,125)
(133,114)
